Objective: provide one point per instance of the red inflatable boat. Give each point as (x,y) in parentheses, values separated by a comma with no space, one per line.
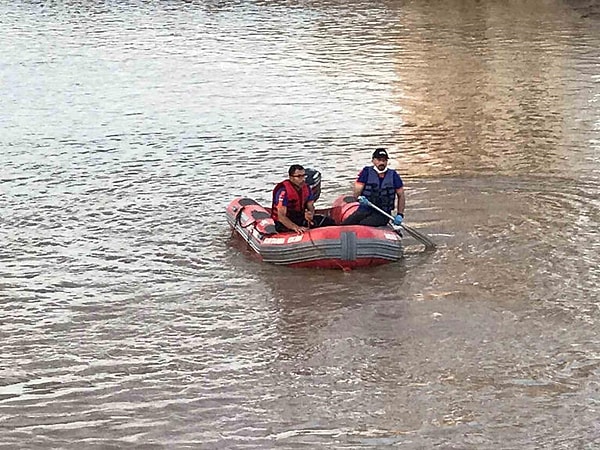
(332,247)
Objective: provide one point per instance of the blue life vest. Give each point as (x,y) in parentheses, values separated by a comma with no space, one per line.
(382,195)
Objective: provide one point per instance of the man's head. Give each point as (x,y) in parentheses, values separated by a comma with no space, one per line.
(380,159)
(297,174)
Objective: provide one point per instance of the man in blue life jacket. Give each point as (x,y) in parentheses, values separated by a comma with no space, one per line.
(293,206)
(381,186)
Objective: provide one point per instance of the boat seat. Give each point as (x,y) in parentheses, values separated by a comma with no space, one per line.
(259,215)
(247,202)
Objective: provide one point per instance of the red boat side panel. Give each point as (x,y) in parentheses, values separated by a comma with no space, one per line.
(343,206)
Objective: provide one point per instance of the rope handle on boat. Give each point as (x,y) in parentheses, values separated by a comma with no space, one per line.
(341,266)
(238,220)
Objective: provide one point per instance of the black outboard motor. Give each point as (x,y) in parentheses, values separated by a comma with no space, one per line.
(313,180)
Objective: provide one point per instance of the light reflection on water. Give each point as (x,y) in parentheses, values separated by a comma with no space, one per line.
(129,315)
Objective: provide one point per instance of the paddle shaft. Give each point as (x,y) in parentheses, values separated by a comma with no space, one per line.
(429,245)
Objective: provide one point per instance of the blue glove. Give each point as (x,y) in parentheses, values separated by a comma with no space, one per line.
(398,219)
(362,200)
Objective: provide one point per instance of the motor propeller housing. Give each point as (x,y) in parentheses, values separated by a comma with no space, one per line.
(313,180)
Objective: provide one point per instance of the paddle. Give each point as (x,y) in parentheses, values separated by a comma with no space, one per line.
(429,245)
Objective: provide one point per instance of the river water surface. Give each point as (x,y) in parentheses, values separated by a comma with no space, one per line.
(130,318)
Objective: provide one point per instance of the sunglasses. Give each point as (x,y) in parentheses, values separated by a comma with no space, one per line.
(298,176)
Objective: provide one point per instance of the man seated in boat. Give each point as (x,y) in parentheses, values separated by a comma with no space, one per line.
(293,207)
(382,186)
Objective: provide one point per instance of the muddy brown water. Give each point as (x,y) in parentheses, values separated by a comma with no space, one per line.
(129,317)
